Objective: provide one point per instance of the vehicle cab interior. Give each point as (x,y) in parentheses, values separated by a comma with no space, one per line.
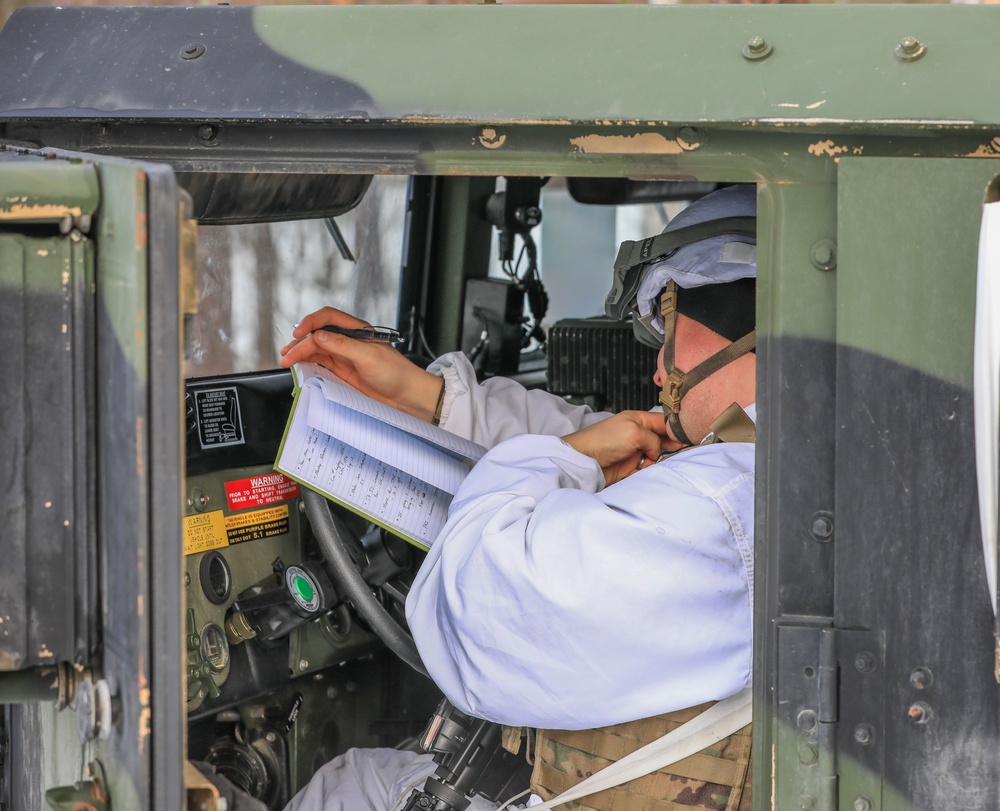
(284,671)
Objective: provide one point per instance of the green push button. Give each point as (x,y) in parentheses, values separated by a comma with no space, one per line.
(304,588)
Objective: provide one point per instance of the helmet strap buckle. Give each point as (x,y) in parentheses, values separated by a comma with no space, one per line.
(673,391)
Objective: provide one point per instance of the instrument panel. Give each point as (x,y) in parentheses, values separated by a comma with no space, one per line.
(260,608)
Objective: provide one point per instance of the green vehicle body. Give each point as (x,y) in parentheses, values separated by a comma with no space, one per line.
(872,133)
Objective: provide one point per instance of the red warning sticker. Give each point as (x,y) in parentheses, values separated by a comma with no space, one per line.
(259,491)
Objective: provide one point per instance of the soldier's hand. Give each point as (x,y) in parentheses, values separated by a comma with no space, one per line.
(624,443)
(372,367)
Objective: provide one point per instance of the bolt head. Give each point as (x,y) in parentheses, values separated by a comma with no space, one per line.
(919,713)
(206,132)
(806,720)
(910,49)
(756,48)
(865,662)
(821,526)
(864,734)
(824,255)
(808,754)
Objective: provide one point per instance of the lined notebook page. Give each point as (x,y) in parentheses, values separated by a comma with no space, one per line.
(396,470)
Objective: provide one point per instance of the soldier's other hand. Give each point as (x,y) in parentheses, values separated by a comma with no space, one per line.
(624,443)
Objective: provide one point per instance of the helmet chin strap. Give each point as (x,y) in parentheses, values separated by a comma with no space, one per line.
(679,383)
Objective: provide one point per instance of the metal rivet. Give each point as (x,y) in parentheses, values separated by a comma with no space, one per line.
(920,713)
(863,804)
(821,526)
(303,664)
(756,48)
(909,49)
(864,734)
(808,754)
(807,803)
(921,678)
(865,662)
(824,255)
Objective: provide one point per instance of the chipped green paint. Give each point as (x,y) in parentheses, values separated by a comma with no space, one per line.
(46,191)
(832,67)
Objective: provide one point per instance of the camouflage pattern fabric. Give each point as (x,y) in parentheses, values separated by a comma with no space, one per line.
(717,778)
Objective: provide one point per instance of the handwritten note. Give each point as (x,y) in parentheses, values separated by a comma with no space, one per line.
(398,471)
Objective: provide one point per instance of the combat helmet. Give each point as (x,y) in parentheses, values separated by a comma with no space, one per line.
(704,266)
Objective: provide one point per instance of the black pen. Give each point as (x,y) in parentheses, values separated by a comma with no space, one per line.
(383,335)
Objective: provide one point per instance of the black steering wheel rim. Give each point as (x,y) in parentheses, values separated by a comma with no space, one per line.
(334,538)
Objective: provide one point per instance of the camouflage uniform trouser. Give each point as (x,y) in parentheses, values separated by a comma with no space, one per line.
(717,778)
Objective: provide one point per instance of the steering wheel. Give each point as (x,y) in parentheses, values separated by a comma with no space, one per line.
(335,540)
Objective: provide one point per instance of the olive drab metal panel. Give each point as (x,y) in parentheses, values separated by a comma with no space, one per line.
(908,550)
(304,63)
(907,662)
(90,586)
(49,577)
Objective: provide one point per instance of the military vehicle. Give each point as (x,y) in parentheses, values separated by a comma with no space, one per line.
(142,404)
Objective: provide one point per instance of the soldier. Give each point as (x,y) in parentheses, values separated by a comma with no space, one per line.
(594,569)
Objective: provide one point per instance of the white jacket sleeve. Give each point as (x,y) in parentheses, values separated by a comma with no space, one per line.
(500,408)
(549,602)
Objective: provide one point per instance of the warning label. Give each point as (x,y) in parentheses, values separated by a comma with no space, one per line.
(219,423)
(204,531)
(258,524)
(260,491)
(214,530)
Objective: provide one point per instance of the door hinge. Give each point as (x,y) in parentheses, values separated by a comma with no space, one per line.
(828,703)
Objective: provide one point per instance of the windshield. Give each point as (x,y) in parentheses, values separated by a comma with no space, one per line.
(255,282)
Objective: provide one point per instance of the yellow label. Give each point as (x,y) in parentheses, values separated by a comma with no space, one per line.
(253,526)
(204,531)
(214,530)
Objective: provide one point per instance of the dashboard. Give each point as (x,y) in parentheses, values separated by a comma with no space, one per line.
(280,673)
(250,573)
